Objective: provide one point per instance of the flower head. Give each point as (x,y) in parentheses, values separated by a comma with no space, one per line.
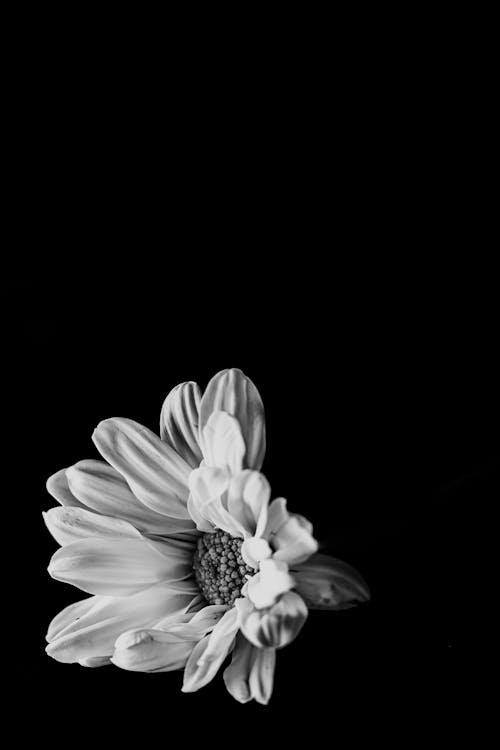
(184,554)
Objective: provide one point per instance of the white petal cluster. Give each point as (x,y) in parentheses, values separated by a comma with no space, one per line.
(128,527)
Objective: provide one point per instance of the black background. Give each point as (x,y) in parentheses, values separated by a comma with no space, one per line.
(335,244)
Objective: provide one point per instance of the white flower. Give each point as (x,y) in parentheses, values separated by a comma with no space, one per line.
(185,557)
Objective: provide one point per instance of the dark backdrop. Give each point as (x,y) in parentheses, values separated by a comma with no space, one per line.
(381,412)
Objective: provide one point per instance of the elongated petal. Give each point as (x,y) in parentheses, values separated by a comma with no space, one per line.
(223,442)
(232,392)
(100,487)
(70,615)
(236,676)
(118,567)
(327,583)
(151,651)
(262,674)
(179,422)
(272,580)
(248,499)
(210,652)
(92,630)
(157,475)
(57,485)
(277,626)
(166,649)
(69,524)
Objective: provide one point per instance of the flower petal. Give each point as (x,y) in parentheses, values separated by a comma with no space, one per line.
(166,649)
(327,583)
(289,534)
(179,422)
(248,498)
(210,652)
(70,615)
(251,672)
(70,524)
(92,630)
(237,674)
(57,485)
(103,489)
(95,661)
(232,392)
(224,446)
(272,580)
(262,674)
(119,567)
(207,485)
(253,550)
(157,475)
(277,626)
(151,651)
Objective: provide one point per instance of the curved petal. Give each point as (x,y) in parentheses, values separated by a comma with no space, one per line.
(254,550)
(277,626)
(119,567)
(327,583)
(57,485)
(70,615)
(166,649)
(95,661)
(223,442)
(236,675)
(179,422)
(231,391)
(100,487)
(194,509)
(272,580)
(248,499)
(262,674)
(92,631)
(157,475)
(70,524)
(151,651)
(289,534)
(210,652)
(207,485)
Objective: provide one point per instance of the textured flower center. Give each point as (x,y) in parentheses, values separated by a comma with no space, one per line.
(219,568)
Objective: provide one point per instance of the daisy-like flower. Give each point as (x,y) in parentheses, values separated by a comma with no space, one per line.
(185,557)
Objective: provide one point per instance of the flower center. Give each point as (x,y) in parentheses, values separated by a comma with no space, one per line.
(219,567)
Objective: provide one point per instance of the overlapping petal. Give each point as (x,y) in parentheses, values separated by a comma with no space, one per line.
(248,500)
(232,392)
(101,488)
(223,442)
(209,653)
(164,650)
(156,474)
(272,580)
(179,422)
(70,524)
(278,625)
(57,486)
(120,567)
(89,628)
(251,672)
(289,534)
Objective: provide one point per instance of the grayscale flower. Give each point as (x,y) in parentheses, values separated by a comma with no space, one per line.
(185,557)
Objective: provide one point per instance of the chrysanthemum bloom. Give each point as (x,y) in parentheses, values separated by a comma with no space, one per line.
(185,557)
